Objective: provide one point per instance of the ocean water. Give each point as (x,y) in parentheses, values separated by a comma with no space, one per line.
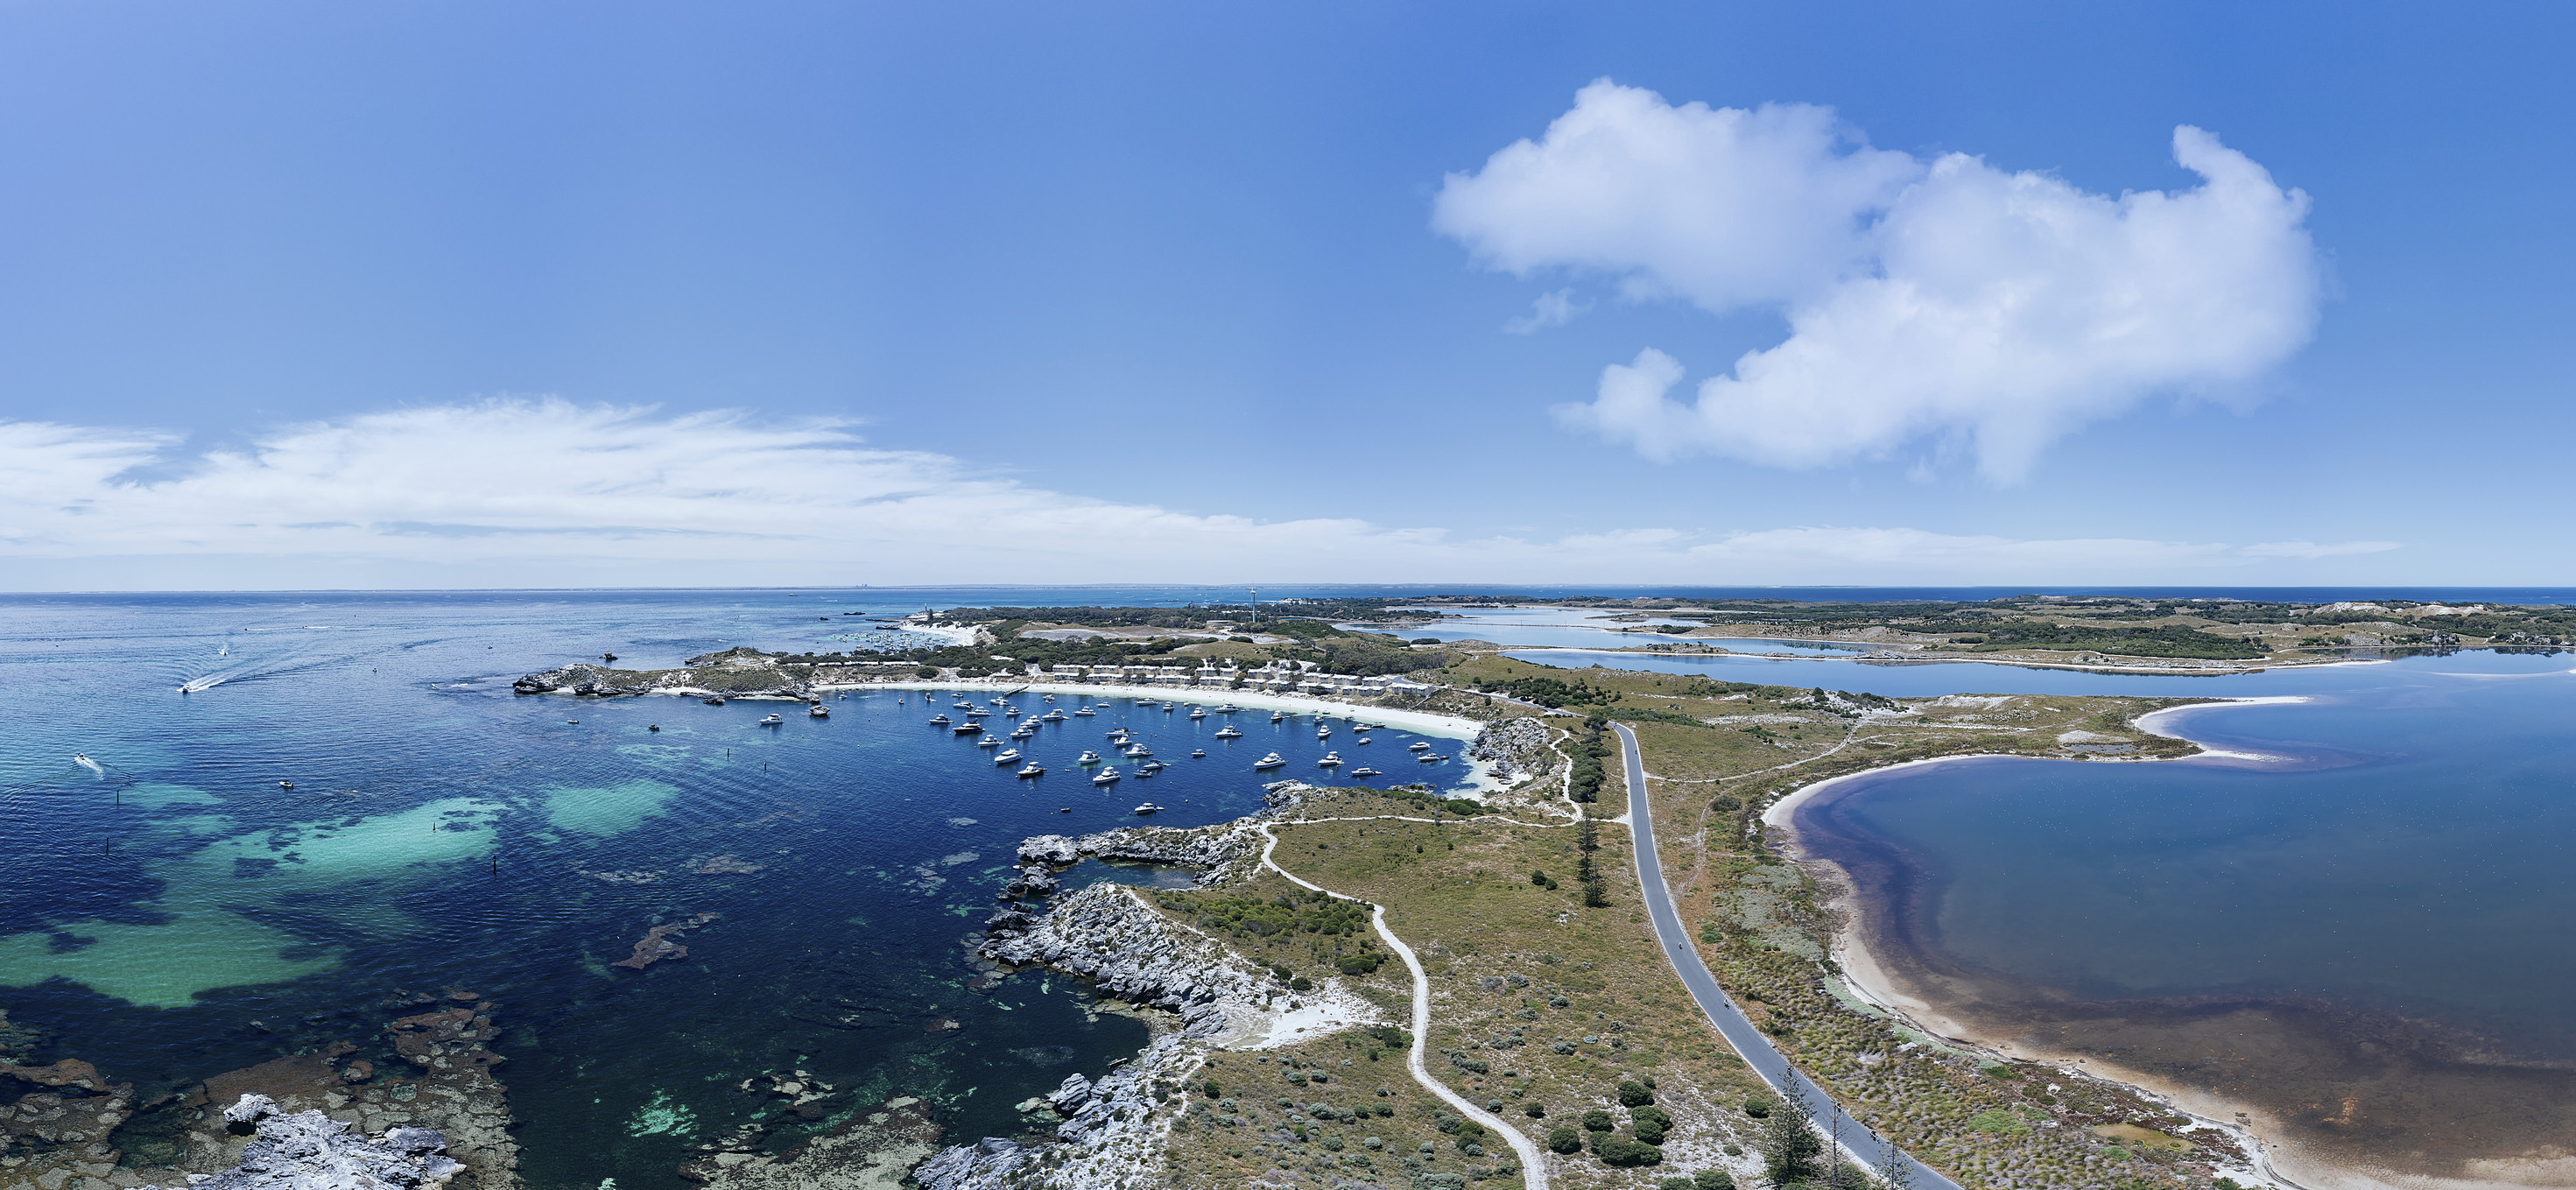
(173,909)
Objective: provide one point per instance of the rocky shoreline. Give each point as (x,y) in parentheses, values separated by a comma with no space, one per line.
(1115,1129)
(80,1125)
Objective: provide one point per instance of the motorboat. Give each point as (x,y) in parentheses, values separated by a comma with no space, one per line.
(1087,758)
(817,712)
(1227,733)
(1143,772)
(1361,740)
(1276,716)
(939,720)
(1048,697)
(1228,709)
(977,713)
(989,741)
(1105,777)
(771,721)
(1022,734)
(1419,746)
(999,700)
(713,702)
(1169,705)
(1331,760)
(967,728)
(1034,769)
(1365,771)
(1147,808)
(1370,727)
(1053,716)
(1006,756)
(1151,766)
(1198,753)
(1137,752)
(1322,732)
(1198,712)
(1085,712)
(963,705)
(1010,712)
(1428,758)
(1272,761)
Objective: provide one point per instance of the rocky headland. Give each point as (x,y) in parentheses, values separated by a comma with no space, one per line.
(1114,1131)
(735,673)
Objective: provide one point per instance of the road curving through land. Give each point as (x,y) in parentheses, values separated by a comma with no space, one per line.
(1757,1050)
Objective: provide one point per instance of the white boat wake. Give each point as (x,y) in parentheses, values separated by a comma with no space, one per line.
(82,759)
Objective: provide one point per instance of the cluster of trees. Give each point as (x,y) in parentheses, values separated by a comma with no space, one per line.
(1591,748)
(1312,913)
(2162,640)
(1546,691)
(1587,839)
(1647,1125)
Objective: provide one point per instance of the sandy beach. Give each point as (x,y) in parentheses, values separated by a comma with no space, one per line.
(1870,978)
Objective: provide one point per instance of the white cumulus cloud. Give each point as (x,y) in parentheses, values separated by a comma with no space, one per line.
(1925,299)
(551,493)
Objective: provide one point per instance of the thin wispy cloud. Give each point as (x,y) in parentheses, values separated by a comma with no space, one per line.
(1926,299)
(547,492)
(1554,308)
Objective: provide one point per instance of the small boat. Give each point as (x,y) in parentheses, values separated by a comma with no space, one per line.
(1137,752)
(1271,761)
(1365,771)
(1006,756)
(1322,732)
(1195,753)
(1087,758)
(1198,712)
(1085,711)
(1227,733)
(997,701)
(962,704)
(771,721)
(1331,760)
(1147,808)
(1053,716)
(1276,716)
(817,712)
(1428,758)
(1022,734)
(977,713)
(1361,740)
(608,657)
(939,720)
(969,728)
(1105,777)
(1048,697)
(1169,705)
(713,702)
(1228,709)
(989,741)
(1370,727)
(1034,769)
(1419,746)
(1152,766)
(1144,772)
(1010,712)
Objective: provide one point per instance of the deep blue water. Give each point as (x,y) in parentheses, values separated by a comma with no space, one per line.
(176,912)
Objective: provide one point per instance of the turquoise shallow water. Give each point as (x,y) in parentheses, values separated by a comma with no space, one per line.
(175,912)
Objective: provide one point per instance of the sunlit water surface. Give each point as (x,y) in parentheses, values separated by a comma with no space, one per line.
(174,911)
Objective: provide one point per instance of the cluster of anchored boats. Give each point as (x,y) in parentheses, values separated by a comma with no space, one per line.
(1124,743)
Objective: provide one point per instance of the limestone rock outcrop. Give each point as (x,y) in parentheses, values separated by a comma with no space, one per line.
(307,1150)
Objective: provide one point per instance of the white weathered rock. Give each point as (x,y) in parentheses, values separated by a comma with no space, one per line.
(1069,1097)
(307,1150)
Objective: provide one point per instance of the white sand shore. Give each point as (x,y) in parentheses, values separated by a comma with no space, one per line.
(1869,979)
(1947,659)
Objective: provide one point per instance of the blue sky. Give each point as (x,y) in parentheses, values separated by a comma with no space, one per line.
(481,294)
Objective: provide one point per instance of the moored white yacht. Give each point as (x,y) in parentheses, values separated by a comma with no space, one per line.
(1006,756)
(1272,761)
(1105,777)
(1087,758)
(1330,760)
(1227,733)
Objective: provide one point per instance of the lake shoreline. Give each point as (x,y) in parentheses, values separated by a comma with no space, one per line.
(1881,913)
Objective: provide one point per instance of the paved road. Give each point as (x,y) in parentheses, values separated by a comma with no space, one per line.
(1859,1143)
